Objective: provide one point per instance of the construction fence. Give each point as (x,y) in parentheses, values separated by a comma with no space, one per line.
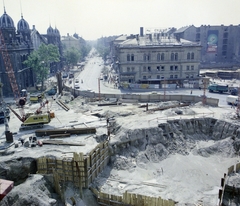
(225,188)
(133,98)
(130,199)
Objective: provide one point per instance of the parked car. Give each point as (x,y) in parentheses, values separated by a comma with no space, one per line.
(76,80)
(77,86)
(71,75)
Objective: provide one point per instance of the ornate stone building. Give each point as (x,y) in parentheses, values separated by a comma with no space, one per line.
(18,45)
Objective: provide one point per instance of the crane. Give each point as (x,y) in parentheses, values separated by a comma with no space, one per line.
(10,71)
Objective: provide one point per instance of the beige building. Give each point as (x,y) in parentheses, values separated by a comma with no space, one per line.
(70,42)
(157,59)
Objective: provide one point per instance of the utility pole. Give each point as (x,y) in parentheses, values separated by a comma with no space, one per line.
(238,103)
(99,94)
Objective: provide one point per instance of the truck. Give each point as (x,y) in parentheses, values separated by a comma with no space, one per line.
(218,88)
(232,100)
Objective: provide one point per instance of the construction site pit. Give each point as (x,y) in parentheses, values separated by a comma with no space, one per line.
(177,154)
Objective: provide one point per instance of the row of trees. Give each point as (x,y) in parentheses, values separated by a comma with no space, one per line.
(39,60)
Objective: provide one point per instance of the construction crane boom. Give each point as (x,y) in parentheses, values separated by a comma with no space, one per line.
(8,66)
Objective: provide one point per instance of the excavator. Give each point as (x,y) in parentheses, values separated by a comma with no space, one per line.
(33,120)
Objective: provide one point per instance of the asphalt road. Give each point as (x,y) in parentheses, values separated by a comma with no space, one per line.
(89,79)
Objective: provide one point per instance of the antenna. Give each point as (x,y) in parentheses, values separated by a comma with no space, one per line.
(4,7)
(21,8)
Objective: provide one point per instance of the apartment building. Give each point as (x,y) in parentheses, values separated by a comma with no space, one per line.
(220,44)
(157,59)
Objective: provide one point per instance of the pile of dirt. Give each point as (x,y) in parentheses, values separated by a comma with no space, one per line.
(36,190)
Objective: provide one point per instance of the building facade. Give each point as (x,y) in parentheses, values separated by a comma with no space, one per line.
(220,44)
(18,45)
(157,59)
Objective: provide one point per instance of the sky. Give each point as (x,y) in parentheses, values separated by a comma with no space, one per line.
(93,19)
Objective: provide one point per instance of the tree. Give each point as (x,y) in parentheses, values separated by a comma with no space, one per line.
(72,56)
(39,60)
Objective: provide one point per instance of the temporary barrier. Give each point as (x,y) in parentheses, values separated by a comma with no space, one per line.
(130,199)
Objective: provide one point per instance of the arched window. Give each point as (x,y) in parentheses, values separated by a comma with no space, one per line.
(188,55)
(149,57)
(128,57)
(132,57)
(172,56)
(158,57)
(176,56)
(192,55)
(144,57)
(162,56)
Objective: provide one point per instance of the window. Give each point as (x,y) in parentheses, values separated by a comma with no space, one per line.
(158,68)
(162,68)
(144,57)
(128,69)
(128,57)
(225,41)
(171,68)
(132,57)
(149,57)
(188,55)
(187,77)
(144,69)
(192,55)
(158,57)
(171,76)
(149,69)
(176,68)
(162,77)
(133,69)
(162,56)
(176,56)
(176,76)
(188,68)
(144,77)
(192,67)
(172,56)
(149,77)
(225,35)
(191,75)
(158,76)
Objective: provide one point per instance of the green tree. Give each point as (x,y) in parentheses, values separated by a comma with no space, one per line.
(72,57)
(39,60)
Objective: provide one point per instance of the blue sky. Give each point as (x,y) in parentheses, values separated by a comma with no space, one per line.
(93,19)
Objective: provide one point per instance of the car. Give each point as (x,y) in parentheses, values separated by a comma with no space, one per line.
(77,86)
(76,80)
(71,75)
(65,75)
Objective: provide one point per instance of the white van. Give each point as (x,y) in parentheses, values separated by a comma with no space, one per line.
(232,100)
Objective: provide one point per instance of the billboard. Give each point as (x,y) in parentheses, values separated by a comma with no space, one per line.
(212,41)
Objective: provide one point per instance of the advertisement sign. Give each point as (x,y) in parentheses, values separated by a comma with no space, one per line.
(212,41)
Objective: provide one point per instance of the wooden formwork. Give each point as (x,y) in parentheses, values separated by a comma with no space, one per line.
(130,199)
(79,169)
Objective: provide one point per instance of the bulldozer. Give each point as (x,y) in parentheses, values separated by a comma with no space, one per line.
(33,120)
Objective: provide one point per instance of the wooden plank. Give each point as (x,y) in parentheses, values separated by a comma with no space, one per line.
(60,142)
(59,135)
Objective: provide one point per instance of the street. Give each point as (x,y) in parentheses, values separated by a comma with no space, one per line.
(89,79)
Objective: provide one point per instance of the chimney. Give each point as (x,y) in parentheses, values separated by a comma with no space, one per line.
(33,27)
(141,31)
